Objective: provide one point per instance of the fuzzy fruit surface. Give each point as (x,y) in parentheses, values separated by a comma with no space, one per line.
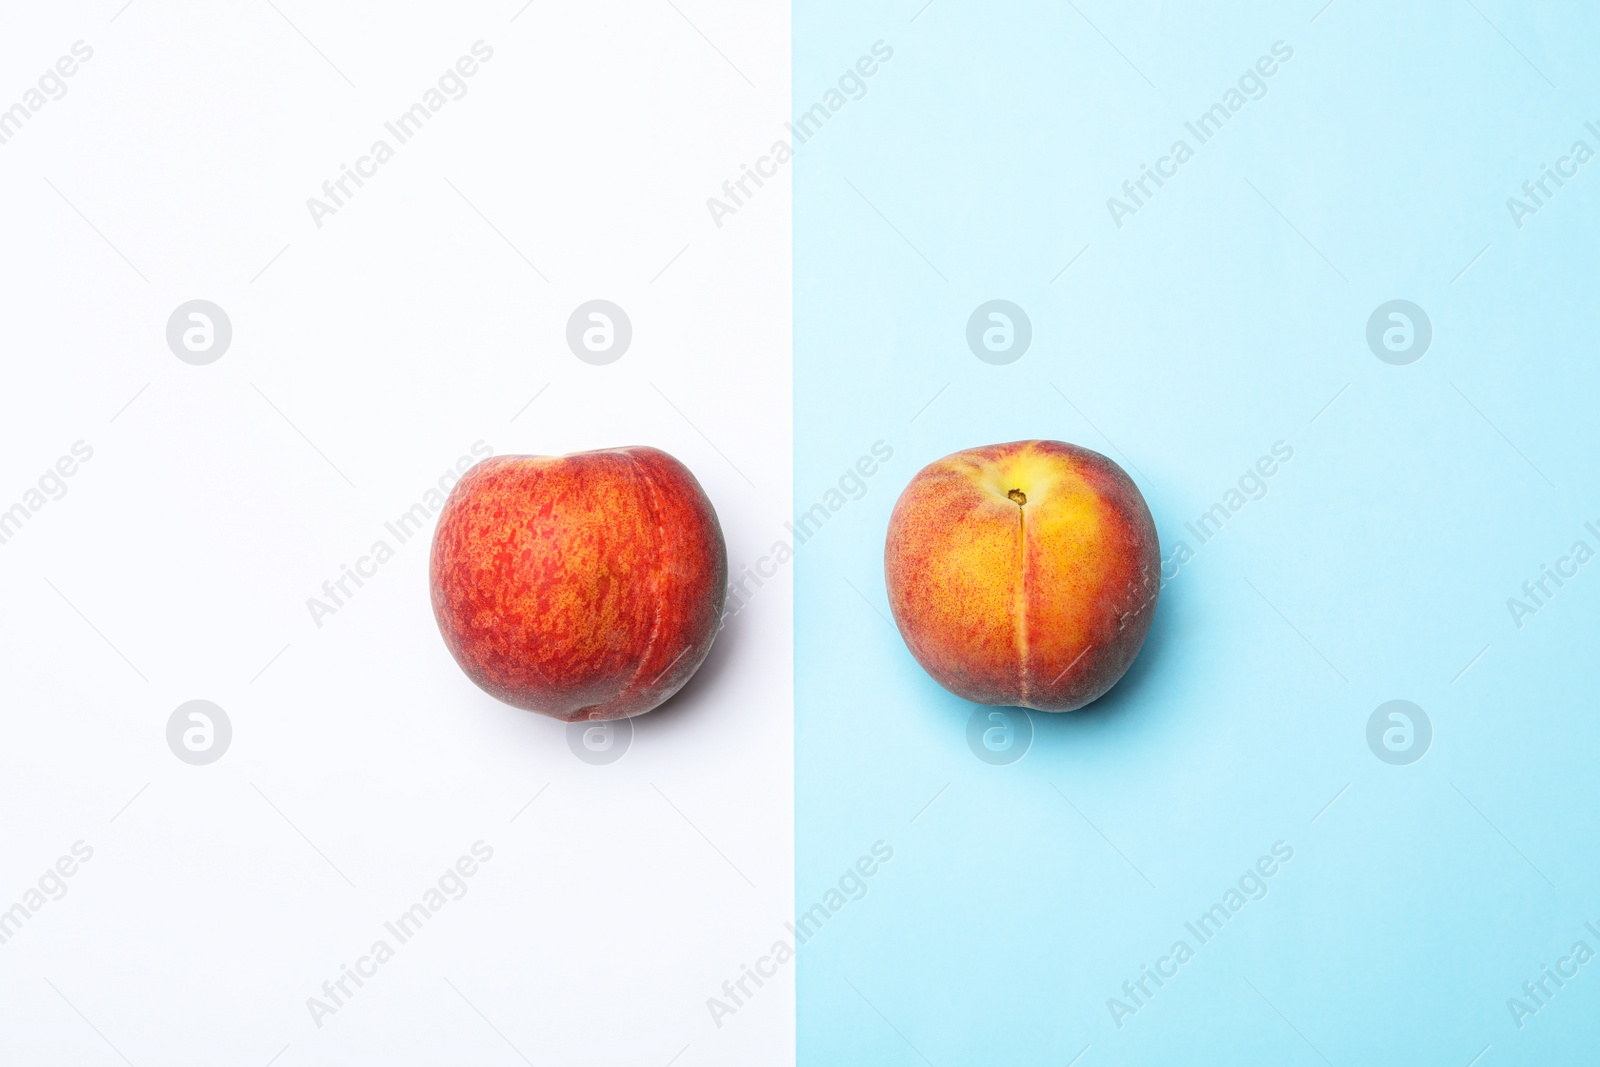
(1023,574)
(586,586)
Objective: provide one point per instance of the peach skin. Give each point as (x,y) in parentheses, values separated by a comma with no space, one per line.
(1023,574)
(587,586)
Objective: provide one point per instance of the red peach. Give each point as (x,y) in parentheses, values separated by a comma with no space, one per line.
(587,586)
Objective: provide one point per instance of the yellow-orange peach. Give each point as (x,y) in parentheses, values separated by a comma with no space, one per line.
(1023,574)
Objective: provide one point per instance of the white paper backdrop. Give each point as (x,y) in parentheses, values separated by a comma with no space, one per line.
(425,315)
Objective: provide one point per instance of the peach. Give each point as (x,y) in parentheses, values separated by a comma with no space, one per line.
(587,586)
(1023,574)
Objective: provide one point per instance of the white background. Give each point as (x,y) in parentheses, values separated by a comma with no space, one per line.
(366,358)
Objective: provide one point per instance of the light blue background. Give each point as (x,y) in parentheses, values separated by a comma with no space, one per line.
(1189,341)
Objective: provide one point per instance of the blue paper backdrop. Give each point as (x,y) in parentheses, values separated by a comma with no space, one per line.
(1224,314)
